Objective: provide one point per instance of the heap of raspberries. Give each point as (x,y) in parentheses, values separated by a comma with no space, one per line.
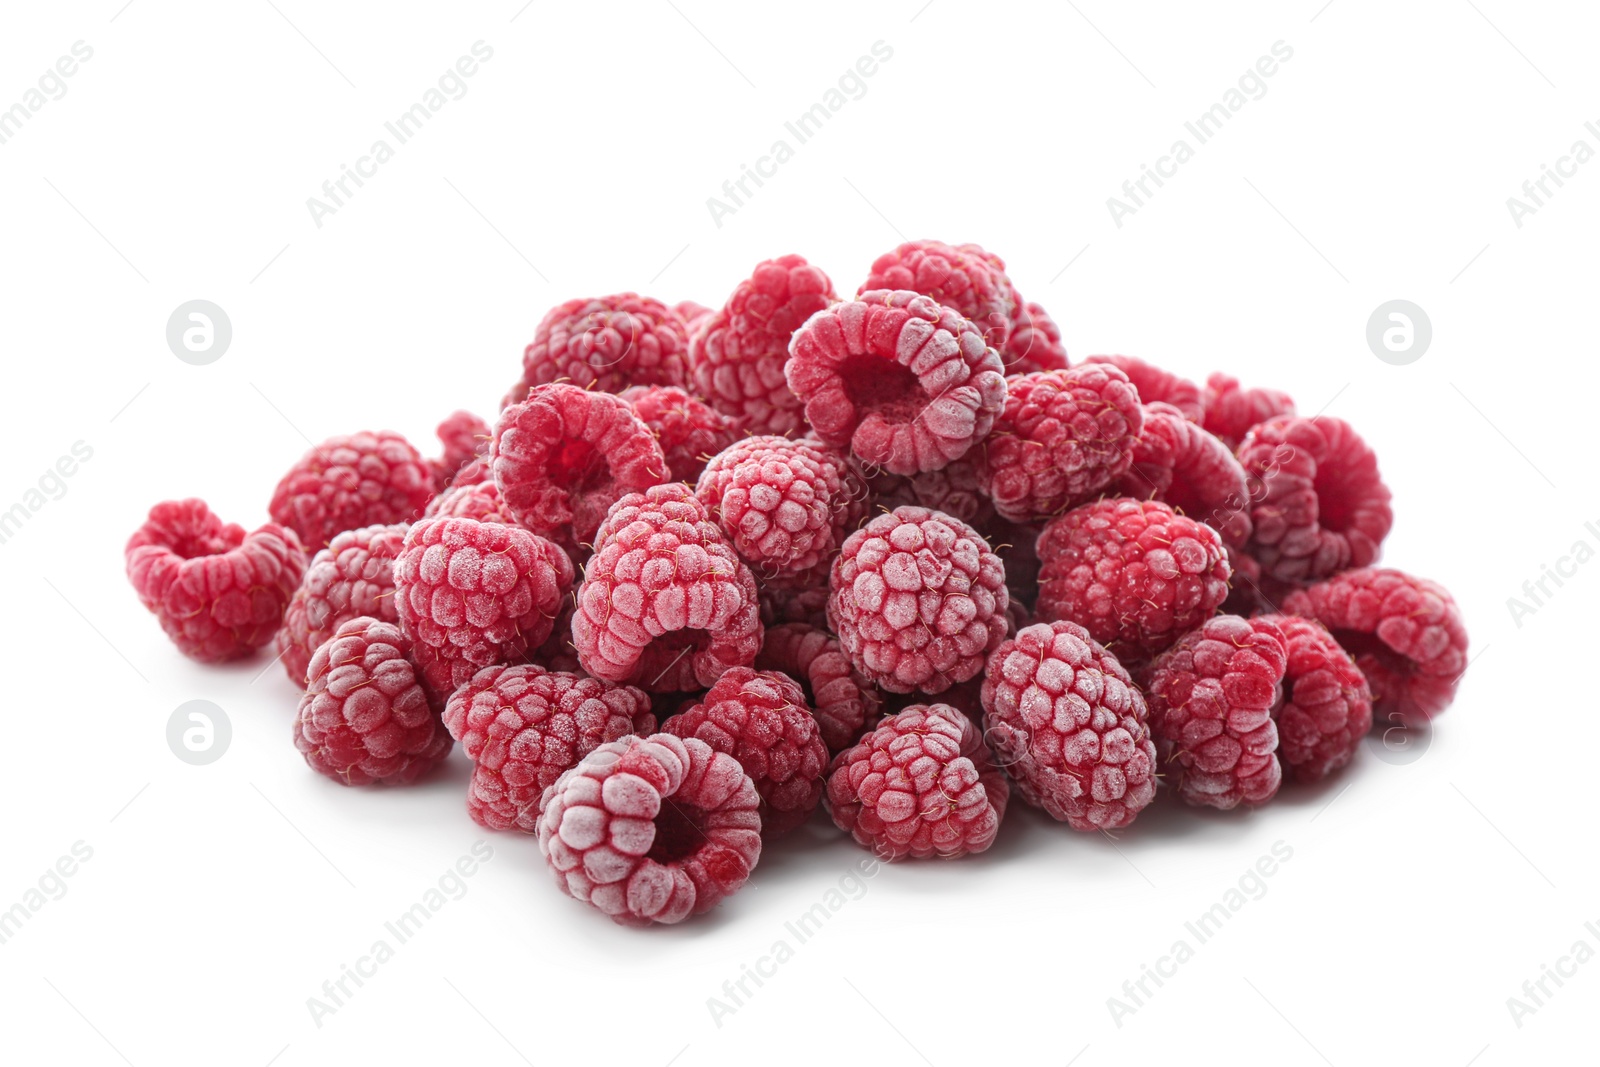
(717,576)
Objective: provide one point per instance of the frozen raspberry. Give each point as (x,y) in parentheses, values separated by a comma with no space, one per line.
(1318,504)
(786,505)
(841,697)
(1211,701)
(652,829)
(1157,386)
(761,719)
(1035,342)
(607,344)
(901,381)
(964,278)
(1231,410)
(365,717)
(919,785)
(1177,461)
(1133,573)
(1066,722)
(665,601)
(953,490)
(738,355)
(525,726)
(562,457)
(480,501)
(1327,706)
(353,576)
(918,599)
(345,483)
(465,438)
(693,314)
(218,592)
(1406,635)
(808,604)
(690,432)
(473,594)
(1064,436)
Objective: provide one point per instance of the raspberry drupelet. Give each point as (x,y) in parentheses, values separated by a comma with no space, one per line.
(607,344)
(218,592)
(843,699)
(965,278)
(920,785)
(1182,464)
(1327,705)
(689,431)
(652,829)
(665,602)
(896,378)
(1067,723)
(1156,385)
(353,576)
(345,483)
(1231,410)
(918,600)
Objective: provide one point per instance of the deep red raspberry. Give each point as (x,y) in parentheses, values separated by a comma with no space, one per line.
(345,483)
(1318,504)
(918,600)
(1327,706)
(962,277)
(901,381)
(786,505)
(353,576)
(690,431)
(474,594)
(1067,723)
(1018,548)
(1211,700)
(1159,386)
(665,601)
(465,438)
(365,717)
(525,726)
(1179,462)
(807,605)
(738,354)
(218,593)
(920,785)
(652,829)
(1406,634)
(953,490)
(1232,410)
(1064,436)
(1035,342)
(1133,573)
(608,343)
(562,457)
(761,719)
(843,700)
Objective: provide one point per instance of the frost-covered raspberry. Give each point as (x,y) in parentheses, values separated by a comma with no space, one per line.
(465,438)
(480,501)
(525,726)
(898,379)
(738,354)
(1067,723)
(690,431)
(1327,706)
(665,601)
(786,505)
(1063,437)
(761,719)
(1211,701)
(1177,461)
(1133,573)
(564,455)
(474,594)
(953,489)
(1158,386)
(345,483)
(608,343)
(1318,504)
(842,698)
(1035,342)
(1232,410)
(965,278)
(652,829)
(353,576)
(218,593)
(920,785)
(918,600)
(365,717)
(1406,634)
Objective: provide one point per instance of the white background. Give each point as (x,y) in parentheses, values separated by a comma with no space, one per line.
(1420,896)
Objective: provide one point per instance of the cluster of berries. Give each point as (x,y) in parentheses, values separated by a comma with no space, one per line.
(894,555)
